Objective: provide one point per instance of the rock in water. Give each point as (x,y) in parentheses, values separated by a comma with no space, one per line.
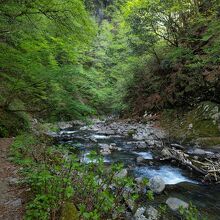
(106,149)
(157,184)
(175,203)
(140,159)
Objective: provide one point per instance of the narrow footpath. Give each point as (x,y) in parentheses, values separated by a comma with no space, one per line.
(11,194)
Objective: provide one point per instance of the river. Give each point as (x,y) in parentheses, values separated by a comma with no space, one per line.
(135,140)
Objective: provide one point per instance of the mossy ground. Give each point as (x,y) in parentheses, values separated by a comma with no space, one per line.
(69,212)
(199,122)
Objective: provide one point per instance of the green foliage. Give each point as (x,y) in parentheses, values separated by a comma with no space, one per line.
(57,63)
(150,195)
(177,43)
(162,209)
(41,62)
(191,213)
(55,175)
(62,186)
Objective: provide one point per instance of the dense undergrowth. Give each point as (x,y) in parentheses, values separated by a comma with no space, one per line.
(57,179)
(64,188)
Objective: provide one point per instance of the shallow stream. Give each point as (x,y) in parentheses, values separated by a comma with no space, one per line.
(180,183)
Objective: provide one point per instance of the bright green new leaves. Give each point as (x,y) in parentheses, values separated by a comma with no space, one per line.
(42,44)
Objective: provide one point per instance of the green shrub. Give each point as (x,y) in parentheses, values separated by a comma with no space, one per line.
(56,176)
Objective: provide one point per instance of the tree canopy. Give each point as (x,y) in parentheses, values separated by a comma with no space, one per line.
(64,60)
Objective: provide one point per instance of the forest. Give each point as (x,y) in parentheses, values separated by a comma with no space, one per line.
(85,85)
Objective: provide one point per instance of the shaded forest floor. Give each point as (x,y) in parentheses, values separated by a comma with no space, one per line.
(11,194)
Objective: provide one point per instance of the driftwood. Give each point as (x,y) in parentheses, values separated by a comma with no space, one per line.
(208,167)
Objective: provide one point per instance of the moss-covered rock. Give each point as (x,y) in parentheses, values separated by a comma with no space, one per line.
(209,141)
(69,212)
(199,122)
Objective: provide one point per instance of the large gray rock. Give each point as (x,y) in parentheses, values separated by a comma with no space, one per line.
(141,145)
(140,159)
(105,149)
(105,152)
(139,180)
(165,153)
(128,216)
(156,184)
(122,173)
(200,152)
(140,185)
(175,203)
(152,213)
(130,203)
(139,214)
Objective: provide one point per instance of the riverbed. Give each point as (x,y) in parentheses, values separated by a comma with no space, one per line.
(131,141)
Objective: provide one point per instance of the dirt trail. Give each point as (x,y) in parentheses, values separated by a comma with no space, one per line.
(11,195)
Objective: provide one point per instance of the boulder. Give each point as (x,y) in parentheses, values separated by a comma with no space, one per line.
(130,203)
(152,213)
(128,216)
(139,214)
(157,184)
(174,204)
(113,145)
(140,185)
(165,153)
(105,149)
(69,212)
(122,173)
(141,145)
(140,159)
(139,180)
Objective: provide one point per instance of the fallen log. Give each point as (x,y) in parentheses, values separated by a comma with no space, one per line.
(210,169)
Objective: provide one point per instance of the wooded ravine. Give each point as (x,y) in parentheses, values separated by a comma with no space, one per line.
(110,109)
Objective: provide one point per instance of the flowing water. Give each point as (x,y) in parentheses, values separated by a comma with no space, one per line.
(180,183)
